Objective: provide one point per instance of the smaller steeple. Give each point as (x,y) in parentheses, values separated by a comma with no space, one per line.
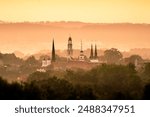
(81,47)
(81,56)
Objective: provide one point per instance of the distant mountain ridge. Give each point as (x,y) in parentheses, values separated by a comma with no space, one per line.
(30,37)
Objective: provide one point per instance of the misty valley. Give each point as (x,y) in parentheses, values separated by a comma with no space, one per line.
(113,77)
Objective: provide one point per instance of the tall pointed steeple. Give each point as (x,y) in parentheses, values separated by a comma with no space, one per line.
(53,52)
(91,55)
(95,51)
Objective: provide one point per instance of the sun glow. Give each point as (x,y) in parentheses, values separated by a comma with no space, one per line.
(109,11)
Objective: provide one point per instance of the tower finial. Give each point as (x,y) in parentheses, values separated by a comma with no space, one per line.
(81,45)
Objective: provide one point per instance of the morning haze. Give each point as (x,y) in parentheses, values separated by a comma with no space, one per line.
(74,49)
(30,37)
(107,24)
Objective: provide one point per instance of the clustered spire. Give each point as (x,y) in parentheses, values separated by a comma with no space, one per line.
(95,51)
(93,55)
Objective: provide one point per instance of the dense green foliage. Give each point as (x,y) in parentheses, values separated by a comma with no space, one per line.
(102,82)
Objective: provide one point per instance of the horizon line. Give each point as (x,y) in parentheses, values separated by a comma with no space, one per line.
(37,51)
(71,21)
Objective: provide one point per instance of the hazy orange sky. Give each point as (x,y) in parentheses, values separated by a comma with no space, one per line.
(108,11)
(32,37)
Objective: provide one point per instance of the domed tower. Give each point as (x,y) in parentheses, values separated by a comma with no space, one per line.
(70,50)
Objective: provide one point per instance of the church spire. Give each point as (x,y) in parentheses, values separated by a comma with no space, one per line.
(53,52)
(91,56)
(95,51)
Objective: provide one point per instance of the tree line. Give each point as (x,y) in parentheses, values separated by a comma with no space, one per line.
(102,82)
